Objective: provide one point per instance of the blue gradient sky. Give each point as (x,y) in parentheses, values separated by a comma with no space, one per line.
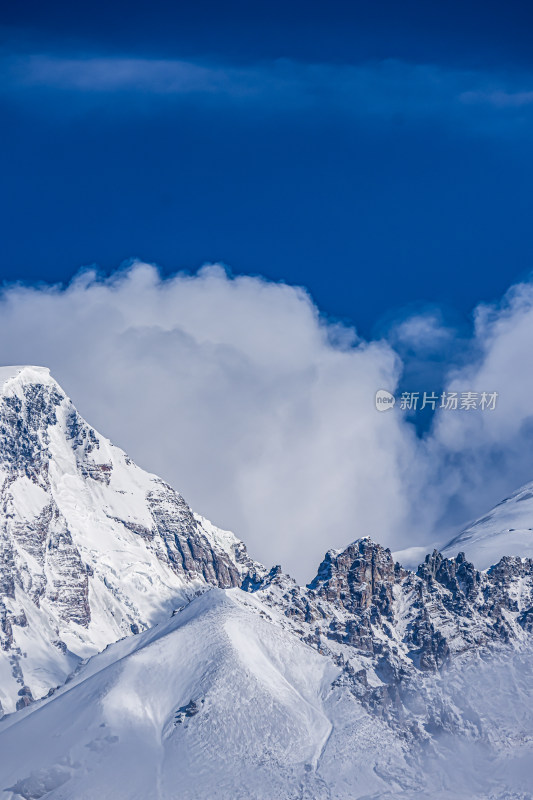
(379,154)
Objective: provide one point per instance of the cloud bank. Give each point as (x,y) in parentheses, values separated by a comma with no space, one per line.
(380,89)
(261,412)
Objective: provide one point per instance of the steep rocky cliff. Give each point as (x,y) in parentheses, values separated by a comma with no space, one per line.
(395,634)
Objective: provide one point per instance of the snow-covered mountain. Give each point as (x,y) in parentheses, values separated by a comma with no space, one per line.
(92,548)
(218,702)
(175,666)
(506,530)
(224,701)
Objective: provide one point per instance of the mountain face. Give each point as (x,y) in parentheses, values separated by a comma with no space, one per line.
(174,665)
(506,530)
(395,634)
(146,720)
(92,548)
(238,695)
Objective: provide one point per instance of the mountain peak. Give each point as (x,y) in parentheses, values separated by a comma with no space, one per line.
(26,374)
(355,576)
(92,548)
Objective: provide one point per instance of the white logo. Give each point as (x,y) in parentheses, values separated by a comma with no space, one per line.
(384,400)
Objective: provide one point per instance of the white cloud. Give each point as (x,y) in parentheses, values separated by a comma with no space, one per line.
(262,414)
(500,98)
(492,450)
(236,392)
(113,74)
(374,89)
(422,332)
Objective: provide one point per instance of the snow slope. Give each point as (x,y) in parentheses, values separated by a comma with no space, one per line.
(221,703)
(507,530)
(218,702)
(92,548)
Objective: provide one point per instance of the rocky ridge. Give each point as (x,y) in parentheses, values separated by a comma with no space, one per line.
(396,635)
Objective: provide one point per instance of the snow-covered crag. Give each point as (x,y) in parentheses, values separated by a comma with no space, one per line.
(394,634)
(92,548)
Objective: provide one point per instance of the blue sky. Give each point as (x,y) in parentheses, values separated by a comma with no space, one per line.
(378,154)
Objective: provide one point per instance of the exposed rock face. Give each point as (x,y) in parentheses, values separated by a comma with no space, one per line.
(360,577)
(395,633)
(91,547)
(186,549)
